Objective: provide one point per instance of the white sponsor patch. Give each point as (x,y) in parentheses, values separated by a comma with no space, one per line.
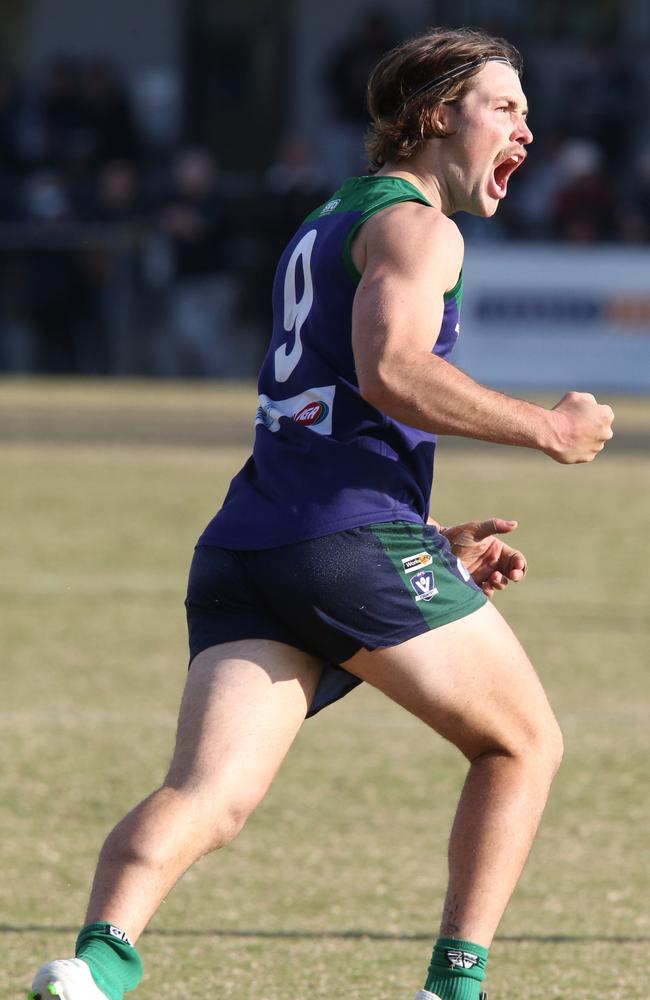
(312,409)
(417,561)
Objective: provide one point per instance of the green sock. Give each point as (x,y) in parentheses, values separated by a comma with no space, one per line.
(457,969)
(114,963)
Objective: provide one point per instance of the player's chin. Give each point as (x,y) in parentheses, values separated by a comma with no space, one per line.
(485,201)
(490,208)
(491,196)
(485,207)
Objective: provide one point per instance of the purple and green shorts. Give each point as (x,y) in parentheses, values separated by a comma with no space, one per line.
(369,587)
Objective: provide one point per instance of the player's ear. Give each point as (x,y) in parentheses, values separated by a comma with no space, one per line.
(444,118)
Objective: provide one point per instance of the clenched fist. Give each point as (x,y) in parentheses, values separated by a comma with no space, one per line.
(582,427)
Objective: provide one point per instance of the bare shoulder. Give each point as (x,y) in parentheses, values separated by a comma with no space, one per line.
(412,237)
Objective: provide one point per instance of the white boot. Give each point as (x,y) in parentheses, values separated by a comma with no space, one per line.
(67,979)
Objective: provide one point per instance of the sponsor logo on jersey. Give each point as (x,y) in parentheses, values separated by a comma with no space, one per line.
(418,561)
(312,413)
(461,959)
(424,585)
(330,206)
(311,409)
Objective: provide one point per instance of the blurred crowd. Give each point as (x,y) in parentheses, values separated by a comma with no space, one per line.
(588,178)
(109,223)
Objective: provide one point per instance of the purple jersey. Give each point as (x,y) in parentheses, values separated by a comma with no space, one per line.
(324,459)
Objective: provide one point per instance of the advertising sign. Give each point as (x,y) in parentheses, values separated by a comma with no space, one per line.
(552,317)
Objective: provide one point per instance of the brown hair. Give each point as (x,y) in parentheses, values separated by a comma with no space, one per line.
(403,106)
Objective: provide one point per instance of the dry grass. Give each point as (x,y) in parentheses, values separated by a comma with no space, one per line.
(334,889)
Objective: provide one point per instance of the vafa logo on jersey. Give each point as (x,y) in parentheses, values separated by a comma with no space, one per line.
(424,585)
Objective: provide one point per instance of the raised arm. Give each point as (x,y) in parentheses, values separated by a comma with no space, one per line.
(408,256)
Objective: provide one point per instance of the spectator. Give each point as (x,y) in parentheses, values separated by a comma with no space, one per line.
(113,273)
(292,187)
(23,134)
(106,115)
(602,99)
(296,171)
(9,120)
(77,148)
(193,222)
(157,108)
(583,210)
(346,78)
(59,107)
(9,155)
(45,198)
(530,207)
(117,195)
(53,287)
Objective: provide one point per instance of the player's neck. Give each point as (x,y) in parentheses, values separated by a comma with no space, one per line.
(420,177)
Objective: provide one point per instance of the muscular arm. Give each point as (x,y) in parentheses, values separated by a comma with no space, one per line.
(408,257)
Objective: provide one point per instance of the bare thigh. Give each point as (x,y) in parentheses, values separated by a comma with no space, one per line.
(469,680)
(243,705)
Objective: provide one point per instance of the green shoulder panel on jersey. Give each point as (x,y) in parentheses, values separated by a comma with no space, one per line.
(369,195)
(456,292)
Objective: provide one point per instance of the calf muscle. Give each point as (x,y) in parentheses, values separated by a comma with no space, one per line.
(472,682)
(242,707)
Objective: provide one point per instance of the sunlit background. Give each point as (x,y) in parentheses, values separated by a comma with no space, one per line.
(155,157)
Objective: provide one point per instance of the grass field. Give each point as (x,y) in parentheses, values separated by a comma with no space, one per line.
(334,889)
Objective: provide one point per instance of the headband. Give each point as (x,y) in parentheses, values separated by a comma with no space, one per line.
(452,74)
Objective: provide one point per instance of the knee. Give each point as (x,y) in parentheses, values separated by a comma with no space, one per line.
(216,816)
(542,747)
(549,747)
(535,745)
(557,747)
(179,822)
(225,824)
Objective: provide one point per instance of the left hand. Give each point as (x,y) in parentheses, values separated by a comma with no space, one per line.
(491,562)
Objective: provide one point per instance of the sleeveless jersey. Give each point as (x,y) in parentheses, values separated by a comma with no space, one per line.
(324,459)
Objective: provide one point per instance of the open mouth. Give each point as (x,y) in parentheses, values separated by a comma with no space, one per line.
(502,173)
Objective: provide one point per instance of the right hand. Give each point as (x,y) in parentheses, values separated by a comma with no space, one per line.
(582,427)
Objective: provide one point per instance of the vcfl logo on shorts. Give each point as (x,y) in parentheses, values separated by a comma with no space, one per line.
(424,585)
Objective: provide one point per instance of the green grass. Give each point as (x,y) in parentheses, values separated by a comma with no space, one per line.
(334,889)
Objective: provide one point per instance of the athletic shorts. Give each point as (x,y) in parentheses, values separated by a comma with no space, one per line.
(364,588)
